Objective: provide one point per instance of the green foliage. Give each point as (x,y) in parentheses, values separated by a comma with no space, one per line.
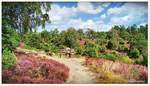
(108,56)
(140,42)
(34,40)
(112,44)
(121,48)
(145,59)
(8,59)
(10,38)
(45,36)
(91,50)
(106,76)
(49,47)
(125,59)
(134,53)
(102,48)
(70,38)
(12,12)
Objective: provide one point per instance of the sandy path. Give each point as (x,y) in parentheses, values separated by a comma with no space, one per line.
(78,73)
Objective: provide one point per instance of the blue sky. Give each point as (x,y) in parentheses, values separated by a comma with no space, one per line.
(97,16)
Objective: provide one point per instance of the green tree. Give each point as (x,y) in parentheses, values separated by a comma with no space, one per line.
(24,16)
(113,37)
(70,38)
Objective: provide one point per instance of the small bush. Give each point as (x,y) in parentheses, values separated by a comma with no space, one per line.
(108,76)
(10,38)
(102,48)
(112,44)
(135,53)
(49,47)
(33,40)
(145,59)
(111,57)
(91,50)
(80,50)
(108,56)
(126,59)
(8,59)
(121,48)
(106,72)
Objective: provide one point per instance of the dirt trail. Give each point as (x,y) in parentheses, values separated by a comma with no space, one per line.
(78,73)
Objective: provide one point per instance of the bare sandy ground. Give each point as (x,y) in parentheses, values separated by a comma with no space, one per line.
(78,72)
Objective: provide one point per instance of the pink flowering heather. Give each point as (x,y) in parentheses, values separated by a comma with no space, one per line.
(34,69)
(129,71)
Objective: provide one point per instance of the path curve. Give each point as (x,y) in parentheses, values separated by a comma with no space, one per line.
(78,73)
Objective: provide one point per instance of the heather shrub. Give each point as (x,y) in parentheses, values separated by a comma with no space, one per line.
(105,76)
(105,69)
(34,69)
(8,59)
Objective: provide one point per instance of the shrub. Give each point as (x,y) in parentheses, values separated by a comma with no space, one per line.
(105,69)
(79,50)
(91,50)
(108,56)
(134,53)
(34,69)
(33,40)
(110,77)
(111,57)
(29,47)
(10,38)
(102,48)
(126,59)
(8,59)
(112,44)
(48,47)
(121,48)
(109,45)
(145,59)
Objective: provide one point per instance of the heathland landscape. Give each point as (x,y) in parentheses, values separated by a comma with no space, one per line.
(64,42)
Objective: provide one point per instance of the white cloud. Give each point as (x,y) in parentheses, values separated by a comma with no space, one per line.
(120,20)
(131,13)
(143,23)
(88,8)
(61,17)
(103,16)
(106,4)
(115,10)
(128,8)
(60,14)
